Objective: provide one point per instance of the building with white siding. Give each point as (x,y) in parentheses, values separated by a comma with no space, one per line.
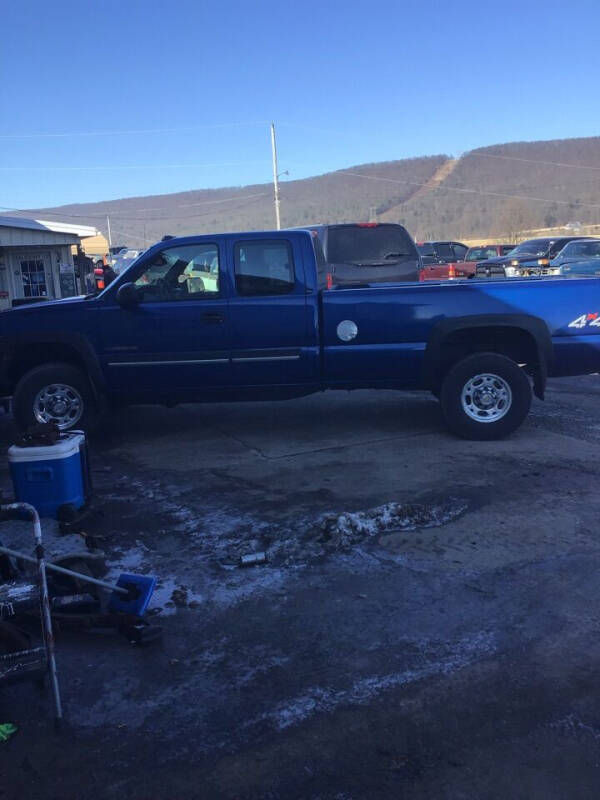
(36,258)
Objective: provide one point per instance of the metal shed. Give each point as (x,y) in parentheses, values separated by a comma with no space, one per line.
(36,258)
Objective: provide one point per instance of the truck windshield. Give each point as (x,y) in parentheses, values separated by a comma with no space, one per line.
(534,247)
(358,244)
(584,249)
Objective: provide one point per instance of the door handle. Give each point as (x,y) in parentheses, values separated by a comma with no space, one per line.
(214,319)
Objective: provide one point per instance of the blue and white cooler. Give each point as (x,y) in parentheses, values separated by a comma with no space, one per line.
(52,476)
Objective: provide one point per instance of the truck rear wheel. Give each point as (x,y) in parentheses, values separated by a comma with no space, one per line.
(485,396)
(58,393)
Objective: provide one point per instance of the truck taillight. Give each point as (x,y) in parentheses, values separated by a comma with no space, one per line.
(99,283)
(451,271)
(421,275)
(329,280)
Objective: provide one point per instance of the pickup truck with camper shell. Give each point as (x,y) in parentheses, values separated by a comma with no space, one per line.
(247,316)
(366,252)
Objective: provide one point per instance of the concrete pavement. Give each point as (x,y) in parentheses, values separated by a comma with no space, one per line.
(449,662)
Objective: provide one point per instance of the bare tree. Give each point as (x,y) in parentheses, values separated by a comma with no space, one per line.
(514,217)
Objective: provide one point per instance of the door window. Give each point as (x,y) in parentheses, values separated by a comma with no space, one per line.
(180,273)
(555,247)
(264,267)
(34,278)
(481,253)
(460,251)
(444,252)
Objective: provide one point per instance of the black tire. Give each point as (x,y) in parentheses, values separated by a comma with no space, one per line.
(514,412)
(47,374)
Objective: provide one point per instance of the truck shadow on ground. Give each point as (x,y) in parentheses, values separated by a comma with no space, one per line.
(319,420)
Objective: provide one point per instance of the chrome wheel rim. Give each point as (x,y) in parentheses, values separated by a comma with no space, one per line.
(58,403)
(486,398)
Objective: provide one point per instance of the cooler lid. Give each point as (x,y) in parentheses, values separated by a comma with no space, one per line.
(67,446)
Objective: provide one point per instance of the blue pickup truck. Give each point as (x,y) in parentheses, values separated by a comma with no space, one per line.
(248,316)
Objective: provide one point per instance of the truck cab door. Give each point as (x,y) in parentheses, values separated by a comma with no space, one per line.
(273,313)
(174,340)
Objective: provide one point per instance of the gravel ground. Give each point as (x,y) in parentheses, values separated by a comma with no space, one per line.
(425,625)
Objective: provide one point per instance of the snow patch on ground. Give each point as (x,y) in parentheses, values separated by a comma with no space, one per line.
(201,562)
(130,560)
(341,533)
(572,725)
(171,594)
(319,700)
(344,530)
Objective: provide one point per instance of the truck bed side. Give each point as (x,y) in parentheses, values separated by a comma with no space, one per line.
(408,334)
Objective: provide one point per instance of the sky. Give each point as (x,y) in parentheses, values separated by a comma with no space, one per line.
(116,98)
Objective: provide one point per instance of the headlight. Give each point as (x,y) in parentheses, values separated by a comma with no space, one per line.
(514,263)
(543,262)
(512,272)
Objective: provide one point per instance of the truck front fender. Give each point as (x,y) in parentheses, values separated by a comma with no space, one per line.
(54,344)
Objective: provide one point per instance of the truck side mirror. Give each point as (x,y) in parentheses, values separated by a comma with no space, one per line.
(127,296)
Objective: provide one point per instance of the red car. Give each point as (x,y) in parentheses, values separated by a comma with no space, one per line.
(466,268)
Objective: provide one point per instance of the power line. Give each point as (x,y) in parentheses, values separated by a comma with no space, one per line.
(67,134)
(119,167)
(133,236)
(241,204)
(195,205)
(193,216)
(119,216)
(470,191)
(471,154)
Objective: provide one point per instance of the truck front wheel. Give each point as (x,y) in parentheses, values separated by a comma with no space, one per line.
(58,393)
(485,396)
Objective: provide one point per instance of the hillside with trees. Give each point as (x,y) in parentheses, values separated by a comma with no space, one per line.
(487,192)
(507,188)
(337,196)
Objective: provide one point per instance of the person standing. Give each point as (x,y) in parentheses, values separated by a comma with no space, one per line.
(84,269)
(109,275)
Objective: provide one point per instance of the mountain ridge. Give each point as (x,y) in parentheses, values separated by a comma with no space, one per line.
(492,190)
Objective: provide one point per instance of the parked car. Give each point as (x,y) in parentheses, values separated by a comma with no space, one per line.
(125,259)
(581,269)
(441,252)
(579,250)
(114,253)
(466,268)
(531,257)
(367,252)
(483,252)
(265,330)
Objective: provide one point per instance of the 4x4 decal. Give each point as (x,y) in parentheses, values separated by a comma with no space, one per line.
(586,321)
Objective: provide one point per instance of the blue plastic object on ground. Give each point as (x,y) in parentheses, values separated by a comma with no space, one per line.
(49,476)
(141,588)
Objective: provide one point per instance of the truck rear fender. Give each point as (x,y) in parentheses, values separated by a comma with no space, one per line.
(523,338)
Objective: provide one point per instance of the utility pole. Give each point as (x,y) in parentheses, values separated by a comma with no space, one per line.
(275,177)
(109,236)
